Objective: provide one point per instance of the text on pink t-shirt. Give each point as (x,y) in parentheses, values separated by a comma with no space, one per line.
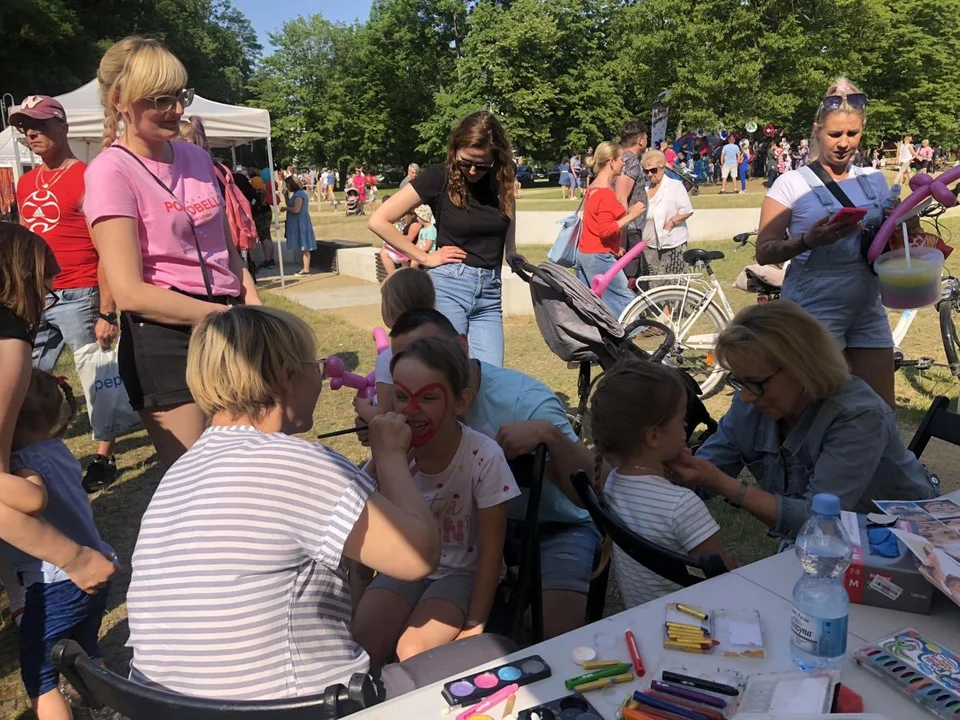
(117,186)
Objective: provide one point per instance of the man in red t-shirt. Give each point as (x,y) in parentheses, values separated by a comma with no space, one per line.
(50,198)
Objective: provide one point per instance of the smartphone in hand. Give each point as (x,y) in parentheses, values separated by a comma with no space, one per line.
(848,216)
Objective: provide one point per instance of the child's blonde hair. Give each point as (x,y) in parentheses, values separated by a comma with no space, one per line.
(406,289)
(240,361)
(132,69)
(46,410)
(632,397)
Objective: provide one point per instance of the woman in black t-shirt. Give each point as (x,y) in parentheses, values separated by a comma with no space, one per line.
(472,196)
(27,269)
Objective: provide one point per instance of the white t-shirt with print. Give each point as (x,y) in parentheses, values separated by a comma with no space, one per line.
(478,477)
(673,517)
(792,191)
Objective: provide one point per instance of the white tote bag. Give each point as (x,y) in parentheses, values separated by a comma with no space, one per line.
(107,403)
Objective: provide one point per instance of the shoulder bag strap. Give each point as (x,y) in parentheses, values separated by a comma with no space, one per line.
(830,184)
(196,241)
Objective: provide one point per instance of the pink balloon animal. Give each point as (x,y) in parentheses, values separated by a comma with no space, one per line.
(366,386)
(923,186)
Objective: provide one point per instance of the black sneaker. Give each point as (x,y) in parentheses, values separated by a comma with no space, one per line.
(100,473)
(267,264)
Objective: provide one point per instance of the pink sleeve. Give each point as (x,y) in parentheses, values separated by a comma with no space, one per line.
(108,192)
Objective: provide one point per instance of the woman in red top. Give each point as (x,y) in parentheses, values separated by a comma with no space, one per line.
(604,219)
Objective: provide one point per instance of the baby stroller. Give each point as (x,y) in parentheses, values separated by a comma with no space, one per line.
(580,329)
(353,204)
(689,180)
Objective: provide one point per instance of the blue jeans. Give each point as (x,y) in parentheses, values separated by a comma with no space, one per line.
(617,295)
(56,612)
(71,321)
(470,298)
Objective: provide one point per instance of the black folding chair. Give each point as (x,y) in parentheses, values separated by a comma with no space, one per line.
(526,589)
(940,423)
(101,688)
(682,569)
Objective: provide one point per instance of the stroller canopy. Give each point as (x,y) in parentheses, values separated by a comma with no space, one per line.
(574,322)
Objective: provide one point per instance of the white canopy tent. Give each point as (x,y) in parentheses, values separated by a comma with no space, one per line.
(226,126)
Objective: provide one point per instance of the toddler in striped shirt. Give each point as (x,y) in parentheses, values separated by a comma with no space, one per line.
(638,416)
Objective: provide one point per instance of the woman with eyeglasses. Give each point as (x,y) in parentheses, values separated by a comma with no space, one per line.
(163,239)
(473,199)
(801,424)
(828,274)
(668,209)
(601,234)
(27,270)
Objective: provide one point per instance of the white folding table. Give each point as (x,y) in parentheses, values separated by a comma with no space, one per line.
(765,586)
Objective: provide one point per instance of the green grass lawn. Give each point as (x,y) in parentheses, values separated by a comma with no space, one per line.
(119,508)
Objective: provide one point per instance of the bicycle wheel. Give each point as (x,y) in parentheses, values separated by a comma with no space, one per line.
(949,309)
(696,322)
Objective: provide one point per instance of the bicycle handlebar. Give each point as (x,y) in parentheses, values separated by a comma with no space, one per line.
(923,186)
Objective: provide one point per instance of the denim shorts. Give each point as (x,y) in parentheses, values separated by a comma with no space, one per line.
(456,589)
(846,301)
(470,297)
(54,612)
(70,322)
(568,553)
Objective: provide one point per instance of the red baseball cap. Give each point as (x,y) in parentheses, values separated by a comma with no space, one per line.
(39,107)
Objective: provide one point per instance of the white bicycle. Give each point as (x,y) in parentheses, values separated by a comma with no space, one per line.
(694,306)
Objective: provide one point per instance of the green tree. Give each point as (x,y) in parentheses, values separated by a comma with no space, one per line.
(53,46)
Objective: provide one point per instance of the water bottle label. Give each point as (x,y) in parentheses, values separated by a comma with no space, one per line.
(817,636)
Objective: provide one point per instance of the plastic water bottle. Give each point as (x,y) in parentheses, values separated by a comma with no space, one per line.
(821,605)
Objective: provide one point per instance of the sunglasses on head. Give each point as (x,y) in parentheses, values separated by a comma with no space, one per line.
(166,103)
(465,165)
(858,101)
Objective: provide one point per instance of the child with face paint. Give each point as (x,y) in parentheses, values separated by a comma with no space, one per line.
(466,481)
(406,289)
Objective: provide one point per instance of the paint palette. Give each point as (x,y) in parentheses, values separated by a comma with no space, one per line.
(921,668)
(571,707)
(473,688)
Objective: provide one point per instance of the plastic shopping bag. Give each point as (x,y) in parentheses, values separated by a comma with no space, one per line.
(107,403)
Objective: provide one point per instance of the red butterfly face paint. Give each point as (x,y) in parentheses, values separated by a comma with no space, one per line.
(423,411)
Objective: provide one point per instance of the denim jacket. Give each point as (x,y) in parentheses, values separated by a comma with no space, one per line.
(847,444)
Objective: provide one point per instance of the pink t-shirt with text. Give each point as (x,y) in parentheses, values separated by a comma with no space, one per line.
(118,187)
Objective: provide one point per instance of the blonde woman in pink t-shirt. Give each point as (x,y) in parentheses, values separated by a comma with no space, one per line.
(159,227)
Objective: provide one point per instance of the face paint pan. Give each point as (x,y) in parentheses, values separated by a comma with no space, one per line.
(472,688)
(569,707)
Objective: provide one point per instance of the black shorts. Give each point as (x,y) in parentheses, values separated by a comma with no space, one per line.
(153,359)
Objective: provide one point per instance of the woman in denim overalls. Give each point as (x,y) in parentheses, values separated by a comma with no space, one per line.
(828,275)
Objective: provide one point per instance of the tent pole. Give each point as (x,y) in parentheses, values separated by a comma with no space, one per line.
(276,212)
(233,156)
(17,166)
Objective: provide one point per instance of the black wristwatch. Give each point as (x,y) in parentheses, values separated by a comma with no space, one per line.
(110,317)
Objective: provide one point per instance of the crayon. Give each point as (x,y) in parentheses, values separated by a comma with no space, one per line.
(634,653)
(495,699)
(671,645)
(687,626)
(598,675)
(669,707)
(646,714)
(604,683)
(692,611)
(599,664)
(709,712)
(699,684)
(683,692)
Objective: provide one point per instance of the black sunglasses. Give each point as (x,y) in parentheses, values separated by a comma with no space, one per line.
(651,171)
(858,101)
(166,103)
(465,165)
(754,386)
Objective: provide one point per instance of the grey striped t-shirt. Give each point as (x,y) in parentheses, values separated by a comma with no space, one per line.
(671,516)
(238,589)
